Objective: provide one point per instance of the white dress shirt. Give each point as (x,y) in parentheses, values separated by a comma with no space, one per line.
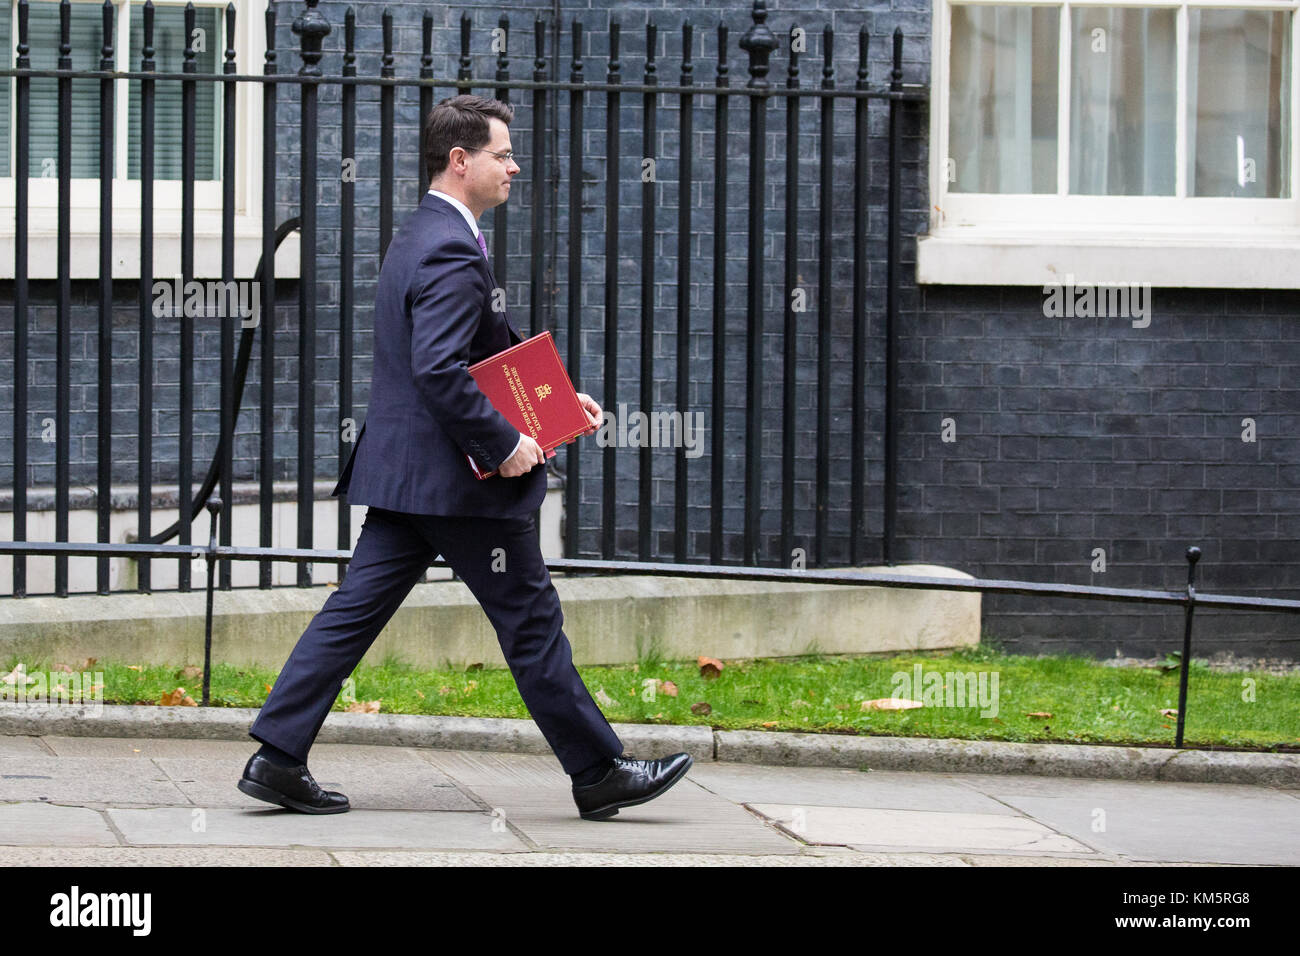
(469,218)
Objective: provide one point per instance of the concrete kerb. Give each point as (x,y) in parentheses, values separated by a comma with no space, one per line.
(702,743)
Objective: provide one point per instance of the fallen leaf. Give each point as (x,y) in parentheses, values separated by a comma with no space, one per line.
(363,707)
(18,674)
(669,688)
(710,667)
(890,703)
(769,723)
(90,662)
(1169,712)
(63,668)
(421,695)
(1040,714)
(841,706)
(702,708)
(268,688)
(604,699)
(134,667)
(191,671)
(444,691)
(474,667)
(177,698)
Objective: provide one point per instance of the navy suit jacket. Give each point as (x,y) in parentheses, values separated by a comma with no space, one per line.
(433,319)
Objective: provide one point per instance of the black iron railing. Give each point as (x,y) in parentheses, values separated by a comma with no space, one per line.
(543,94)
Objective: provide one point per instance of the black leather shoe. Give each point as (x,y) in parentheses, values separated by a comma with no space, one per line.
(291,787)
(629,782)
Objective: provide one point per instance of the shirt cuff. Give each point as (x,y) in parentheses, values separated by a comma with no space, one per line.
(516,448)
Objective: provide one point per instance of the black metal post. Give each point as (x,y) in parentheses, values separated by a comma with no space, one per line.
(686,153)
(858,450)
(891,305)
(144,420)
(185,490)
(790,341)
(645,502)
(759,43)
(266,391)
(227,338)
(500,215)
(22,144)
(537,211)
(610,380)
(347,433)
(104,400)
(214,510)
(313,29)
(387,95)
(718,398)
(824,202)
(426,89)
(1193,555)
(63,330)
(573,453)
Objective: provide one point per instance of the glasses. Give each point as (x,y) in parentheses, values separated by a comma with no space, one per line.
(506,157)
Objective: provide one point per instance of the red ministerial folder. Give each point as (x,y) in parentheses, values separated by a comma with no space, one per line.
(527,383)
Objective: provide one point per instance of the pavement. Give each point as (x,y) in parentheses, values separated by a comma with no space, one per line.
(171,800)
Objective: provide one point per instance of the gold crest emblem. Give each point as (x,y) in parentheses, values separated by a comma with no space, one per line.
(543,391)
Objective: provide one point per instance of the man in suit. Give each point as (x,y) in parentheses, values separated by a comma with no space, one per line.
(435,316)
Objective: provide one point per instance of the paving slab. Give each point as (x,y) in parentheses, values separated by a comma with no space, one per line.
(916,829)
(1163,821)
(187,856)
(535,796)
(90,780)
(844,858)
(370,784)
(274,827)
(147,747)
(45,824)
(22,747)
(823,786)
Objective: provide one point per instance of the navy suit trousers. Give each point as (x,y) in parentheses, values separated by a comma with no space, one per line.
(392,553)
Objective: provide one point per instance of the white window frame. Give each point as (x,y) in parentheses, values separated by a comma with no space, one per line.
(1170,241)
(43,193)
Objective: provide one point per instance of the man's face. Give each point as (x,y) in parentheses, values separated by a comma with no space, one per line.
(487,179)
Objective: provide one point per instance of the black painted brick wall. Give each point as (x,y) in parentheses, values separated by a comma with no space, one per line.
(1071,434)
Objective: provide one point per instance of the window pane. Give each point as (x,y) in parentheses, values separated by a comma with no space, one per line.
(169,47)
(87,35)
(1123,97)
(1238,103)
(1003,99)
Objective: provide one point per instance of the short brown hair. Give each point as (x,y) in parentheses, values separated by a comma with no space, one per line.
(459,121)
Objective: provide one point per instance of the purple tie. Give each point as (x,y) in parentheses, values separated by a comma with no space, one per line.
(482,244)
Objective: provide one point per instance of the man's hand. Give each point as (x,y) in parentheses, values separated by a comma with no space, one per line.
(592,409)
(526,456)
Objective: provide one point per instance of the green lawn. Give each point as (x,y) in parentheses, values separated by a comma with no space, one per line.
(1089,703)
